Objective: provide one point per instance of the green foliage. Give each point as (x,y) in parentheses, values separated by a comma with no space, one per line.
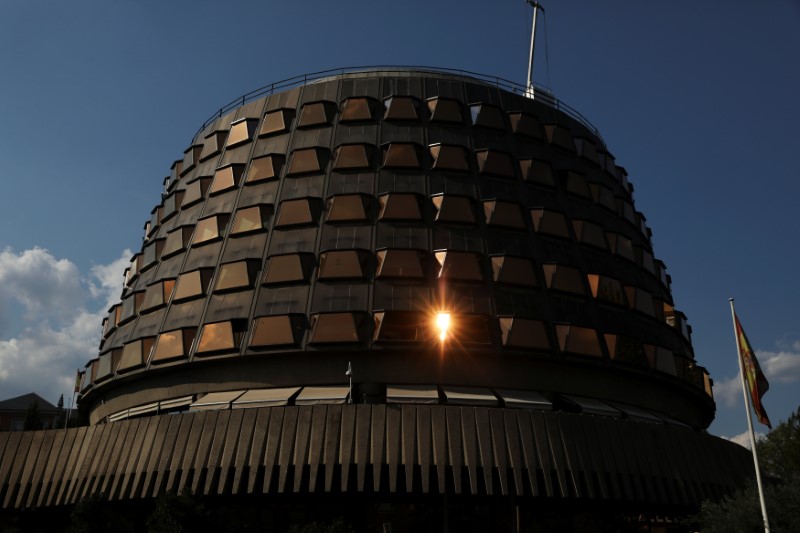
(95,514)
(334,526)
(176,514)
(33,419)
(779,451)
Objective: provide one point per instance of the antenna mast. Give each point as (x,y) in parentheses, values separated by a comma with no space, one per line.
(536,7)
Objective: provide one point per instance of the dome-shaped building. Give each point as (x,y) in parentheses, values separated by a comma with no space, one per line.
(401,284)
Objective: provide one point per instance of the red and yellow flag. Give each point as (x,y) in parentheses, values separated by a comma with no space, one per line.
(78,380)
(756,381)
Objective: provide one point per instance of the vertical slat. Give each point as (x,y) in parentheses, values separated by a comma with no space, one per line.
(101,464)
(112,470)
(346,443)
(273,445)
(218,443)
(316,444)
(60,466)
(470,440)
(632,443)
(89,461)
(52,463)
(557,450)
(513,442)
(484,431)
(530,455)
(168,451)
(594,456)
(256,459)
(230,445)
(330,457)
(127,453)
(27,468)
(620,445)
(656,455)
(545,456)
(17,466)
(573,458)
(72,464)
(424,445)
(377,444)
(439,426)
(393,433)
(149,467)
(408,443)
(288,431)
(300,455)
(499,447)
(140,465)
(363,415)
(37,478)
(243,449)
(182,467)
(455,444)
(203,448)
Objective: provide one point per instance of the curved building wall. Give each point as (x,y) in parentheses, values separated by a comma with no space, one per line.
(328,224)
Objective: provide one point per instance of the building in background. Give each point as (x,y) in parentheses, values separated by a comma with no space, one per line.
(31,407)
(403,297)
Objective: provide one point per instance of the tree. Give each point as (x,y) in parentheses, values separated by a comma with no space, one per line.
(779,458)
(33,420)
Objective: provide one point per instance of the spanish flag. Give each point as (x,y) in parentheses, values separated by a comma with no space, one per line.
(78,380)
(756,381)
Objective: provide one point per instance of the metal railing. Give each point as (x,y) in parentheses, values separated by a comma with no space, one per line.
(541,93)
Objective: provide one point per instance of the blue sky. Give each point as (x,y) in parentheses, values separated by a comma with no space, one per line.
(698,100)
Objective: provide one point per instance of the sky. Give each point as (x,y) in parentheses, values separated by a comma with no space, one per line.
(697,100)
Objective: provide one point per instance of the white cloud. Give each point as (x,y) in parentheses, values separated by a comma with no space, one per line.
(743,439)
(783,366)
(61,319)
(728,391)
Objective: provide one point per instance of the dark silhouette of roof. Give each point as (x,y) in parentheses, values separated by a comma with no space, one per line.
(21,403)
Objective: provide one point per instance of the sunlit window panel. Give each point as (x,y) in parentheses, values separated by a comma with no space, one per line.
(550,223)
(453,209)
(590,233)
(445,110)
(400,207)
(209,229)
(347,208)
(172,203)
(155,220)
(578,340)
(277,121)
(563,278)
(449,158)
(304,161)
(152,253)
(560,136)
(242,131)
(487,116)
(192,284)
(315,114)
(250,219)
(235,276)
(135,354)
(495,163)
(401,264)
(265,168)
(334,328)
(103,367)
(112,320)
(514,271)
(606,288)
(504,214)
(357,109)
(190,157)
(295,213)
(132,271)
(525,125)
(401,326)
(226,178)
(459,266)
(352,157)
(401,156)
(537,172)
(524,333)
(172,345)
(213,144)
(157,295)
(177,240)
(131,305)
(290,268)
(401,108)
(218,337)
(341,264)
(277,330)
(196,190)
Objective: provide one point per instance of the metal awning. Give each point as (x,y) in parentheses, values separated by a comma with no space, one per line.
(590,406)
(426,394)
(216,400)
(524,399)
(176,403)
(317,395)
(469,396)
(265,397)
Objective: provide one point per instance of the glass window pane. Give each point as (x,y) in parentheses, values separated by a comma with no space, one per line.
(400,206)
(295,212)
(356,109)
(514,271)
(504,214)
(401,108)
(233,276)
(303,161)
(352,157)
(172,344)
(445,110)
(340,264)
(401,156)
(402,326)
(313,114)
(334,328)
(524,333)
(276,122)
(494,163)
(550,223)
(563,278)
(537,172)
(274,331)
(226,178)
(265,168)
(347,208)
(217,337)
(135,354)
(249,219)
(464,266)
(192,284)
(207,229)
(579,340)
(525,125)
(213,144)
(285,269)
(487,116)
(577,185)
(195,191)
(453,209)
(400,264)
(242,131)
(449,157)
(560,136)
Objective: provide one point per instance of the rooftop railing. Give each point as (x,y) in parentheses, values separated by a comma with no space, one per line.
(541,93)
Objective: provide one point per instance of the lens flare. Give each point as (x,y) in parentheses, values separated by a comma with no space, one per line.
(443,323)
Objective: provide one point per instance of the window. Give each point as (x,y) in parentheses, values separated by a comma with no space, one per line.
(133,270)
(525,125)
(402,326)
(172,203)
(621,246)
(135,354)
(550,223)
(220,337)
(586,149)
(236,276)
(291,268)
(196,191)
(401,108)
(453,209)
(315,114)
(193,284)
(445,110)
(352,157)
(524,333)
(342,264)
(213,144)
(299,211)
(265,168)
(400,207)
(608,289)
(276,121)
(401,156)
(645,259)
(470,329)
(495,163)
(157,295)
(357,109)
(449,157)
(624,349)
(602,196)
(277,330)
(190,157)
(176,240)
(563,278)
(114,315)
(487,116)
(577,185)
(459,266)
(155,220)
(537,172)
(250,219)
(306,160)
(347,208)
(514,271)
(242,131)
(640,300)
(226,178)
(131,306)
(152,253)
(335,328)
(559,136)
(578,340)
(172,345)
(209,229)
(504,214)
(405,264)
(590,233)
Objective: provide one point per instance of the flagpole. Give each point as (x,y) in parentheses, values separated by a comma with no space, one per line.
(749,421)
